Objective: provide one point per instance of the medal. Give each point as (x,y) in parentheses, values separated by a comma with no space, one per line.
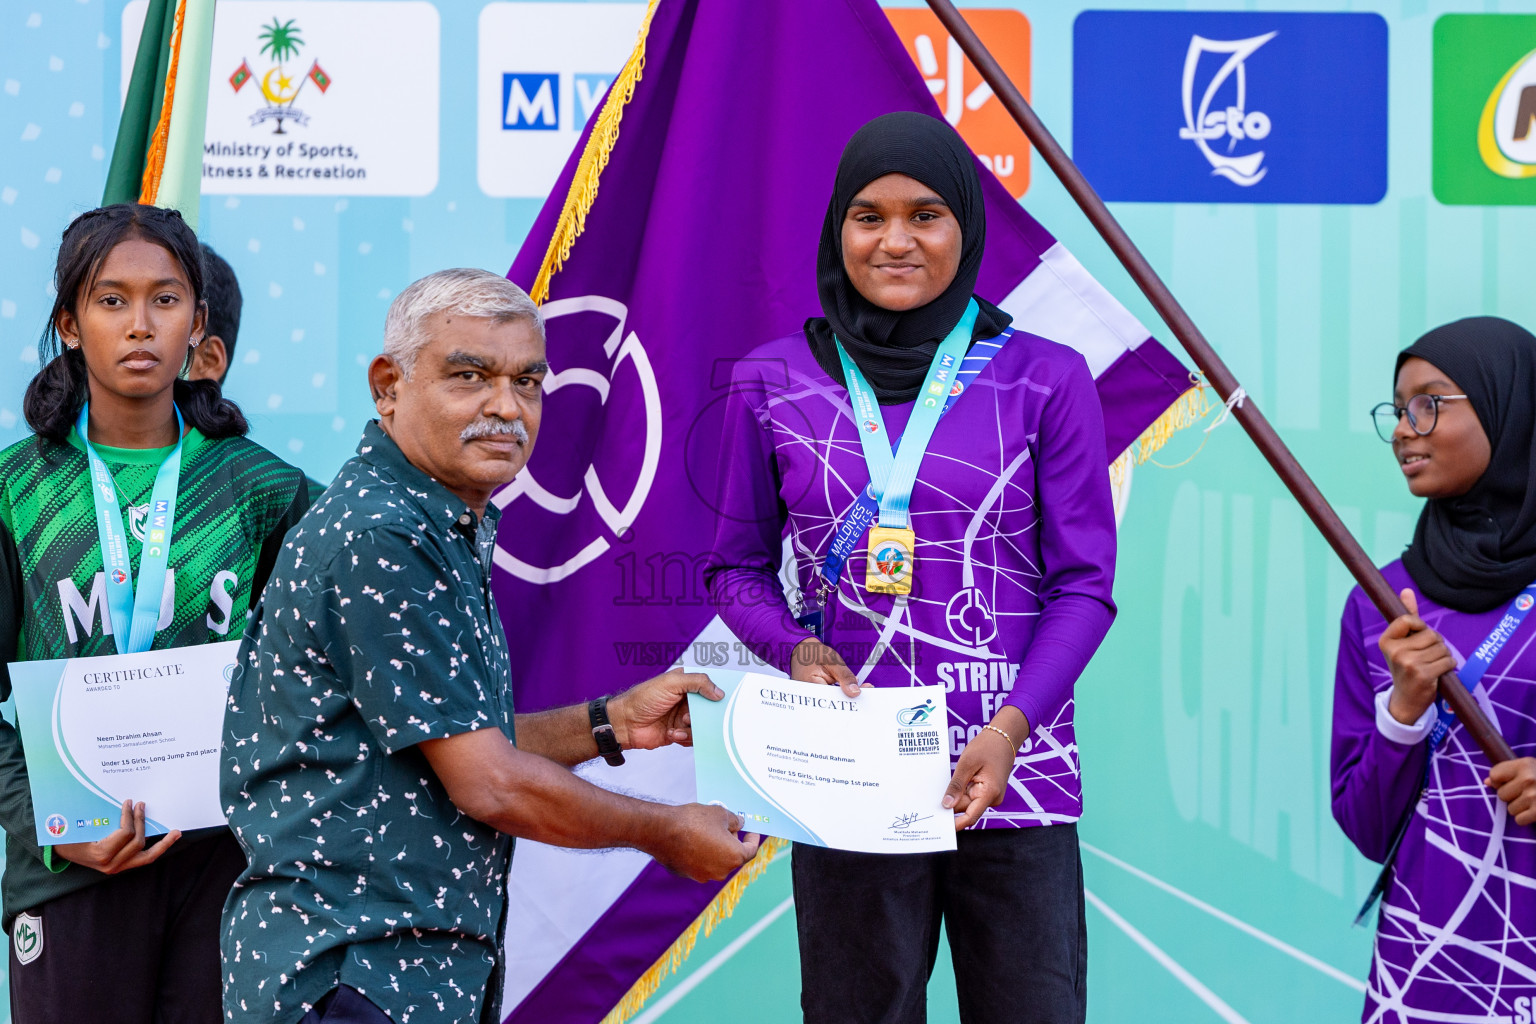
(891,560)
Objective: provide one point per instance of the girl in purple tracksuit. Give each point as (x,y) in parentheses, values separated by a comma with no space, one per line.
(1014,556)
(1456,934)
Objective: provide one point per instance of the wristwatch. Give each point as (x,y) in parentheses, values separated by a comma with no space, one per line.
(602,732)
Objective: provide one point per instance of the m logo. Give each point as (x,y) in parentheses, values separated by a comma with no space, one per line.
(965,99)
(138,515)
(1485,109)
(27,938)
(530,101)
(1231,107)
(543,71)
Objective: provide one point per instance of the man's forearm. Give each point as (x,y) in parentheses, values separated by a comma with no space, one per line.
(530,796)
(523,794)
(564,735)
(550,805)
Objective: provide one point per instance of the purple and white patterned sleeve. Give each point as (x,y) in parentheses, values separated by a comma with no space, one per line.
(1077,545)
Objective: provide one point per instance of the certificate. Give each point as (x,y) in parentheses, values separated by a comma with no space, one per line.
(806,762)
(144,727)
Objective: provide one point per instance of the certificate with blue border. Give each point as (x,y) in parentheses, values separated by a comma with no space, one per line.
(142,727)
(805,762)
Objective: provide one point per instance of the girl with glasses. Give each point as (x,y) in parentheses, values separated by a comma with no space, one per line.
(1456,932)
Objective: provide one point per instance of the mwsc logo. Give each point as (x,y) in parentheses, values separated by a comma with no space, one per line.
(1485,109)
(544,68)
(533,101)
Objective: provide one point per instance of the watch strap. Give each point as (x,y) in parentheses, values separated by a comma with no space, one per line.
(602,732)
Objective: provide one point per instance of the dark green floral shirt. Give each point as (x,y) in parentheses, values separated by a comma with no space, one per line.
(377,631)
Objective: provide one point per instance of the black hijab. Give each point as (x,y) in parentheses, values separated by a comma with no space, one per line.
(894,349)
(1475,552)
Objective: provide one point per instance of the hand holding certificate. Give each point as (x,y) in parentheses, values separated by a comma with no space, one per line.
(144,727)
(804,761)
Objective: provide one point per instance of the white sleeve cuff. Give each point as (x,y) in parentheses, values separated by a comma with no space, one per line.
(1396,731)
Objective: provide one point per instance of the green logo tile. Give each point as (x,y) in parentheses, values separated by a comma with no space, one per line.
(1485,109)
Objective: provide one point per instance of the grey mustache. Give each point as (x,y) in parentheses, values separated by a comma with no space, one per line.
(495,428)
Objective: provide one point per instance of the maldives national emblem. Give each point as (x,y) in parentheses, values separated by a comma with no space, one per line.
(281,41)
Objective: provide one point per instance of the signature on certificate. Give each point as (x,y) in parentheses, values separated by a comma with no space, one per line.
(905,821)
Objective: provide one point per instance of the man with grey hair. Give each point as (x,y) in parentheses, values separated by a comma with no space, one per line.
(369,767)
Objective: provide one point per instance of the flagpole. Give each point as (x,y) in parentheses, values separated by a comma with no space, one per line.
(1243,408)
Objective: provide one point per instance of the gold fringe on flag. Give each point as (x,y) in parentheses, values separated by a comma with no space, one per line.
(1190,408)
(594,157)
(154,160)
(720,908)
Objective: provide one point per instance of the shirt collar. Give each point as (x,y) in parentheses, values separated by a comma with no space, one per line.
(437,502)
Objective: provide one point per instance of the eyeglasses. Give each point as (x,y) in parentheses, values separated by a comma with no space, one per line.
(1423,412)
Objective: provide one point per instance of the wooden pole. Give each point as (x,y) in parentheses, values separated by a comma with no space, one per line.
(1216,372)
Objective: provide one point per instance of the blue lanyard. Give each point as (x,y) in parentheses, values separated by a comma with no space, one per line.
(893,476)
(133,616)
(868,505)
(1470,674)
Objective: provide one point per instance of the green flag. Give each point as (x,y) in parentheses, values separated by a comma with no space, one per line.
(157,158)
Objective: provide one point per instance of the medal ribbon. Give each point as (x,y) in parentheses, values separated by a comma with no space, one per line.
(133,615)
(1470,674)
(893,476)
(868,505)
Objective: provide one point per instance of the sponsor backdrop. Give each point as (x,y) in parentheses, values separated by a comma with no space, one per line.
(357,144)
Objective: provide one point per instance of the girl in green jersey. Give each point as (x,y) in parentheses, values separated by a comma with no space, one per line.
(124,927)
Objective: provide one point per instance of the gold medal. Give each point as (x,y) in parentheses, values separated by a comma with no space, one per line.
(892,553)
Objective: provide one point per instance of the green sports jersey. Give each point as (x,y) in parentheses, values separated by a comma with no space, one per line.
(235,503)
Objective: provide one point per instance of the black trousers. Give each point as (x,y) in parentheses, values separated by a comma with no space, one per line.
(1012,905)
(345,1005)
(141,947)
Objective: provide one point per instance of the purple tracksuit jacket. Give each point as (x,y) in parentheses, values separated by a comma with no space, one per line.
(1015,548)
(1456,939)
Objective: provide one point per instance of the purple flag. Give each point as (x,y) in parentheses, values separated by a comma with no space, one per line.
(701,245)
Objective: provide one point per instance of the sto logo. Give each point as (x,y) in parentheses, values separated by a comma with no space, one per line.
(1202,125)
(523,553)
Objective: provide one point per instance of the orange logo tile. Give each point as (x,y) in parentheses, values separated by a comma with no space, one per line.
(967,101)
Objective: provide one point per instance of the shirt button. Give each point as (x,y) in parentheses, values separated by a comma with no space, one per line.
(464,519)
